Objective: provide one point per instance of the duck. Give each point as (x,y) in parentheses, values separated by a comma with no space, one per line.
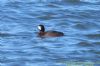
(43,33)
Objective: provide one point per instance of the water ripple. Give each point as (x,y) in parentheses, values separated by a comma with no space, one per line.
(79,20)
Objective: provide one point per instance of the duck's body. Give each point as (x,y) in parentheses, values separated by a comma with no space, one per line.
(48,33)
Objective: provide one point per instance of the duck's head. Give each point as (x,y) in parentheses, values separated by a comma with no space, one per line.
(41,28)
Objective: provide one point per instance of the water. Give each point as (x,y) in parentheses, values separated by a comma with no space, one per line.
(78,20)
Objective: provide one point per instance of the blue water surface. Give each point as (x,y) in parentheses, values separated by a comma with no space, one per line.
(79,20)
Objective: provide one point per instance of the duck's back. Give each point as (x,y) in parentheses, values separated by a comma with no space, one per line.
(53,33)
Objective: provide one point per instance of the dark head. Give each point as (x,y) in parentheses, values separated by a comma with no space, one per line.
(41,28)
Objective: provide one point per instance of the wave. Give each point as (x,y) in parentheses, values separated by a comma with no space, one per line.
(91,1)
(72,1)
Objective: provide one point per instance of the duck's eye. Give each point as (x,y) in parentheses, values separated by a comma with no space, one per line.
(39,27)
